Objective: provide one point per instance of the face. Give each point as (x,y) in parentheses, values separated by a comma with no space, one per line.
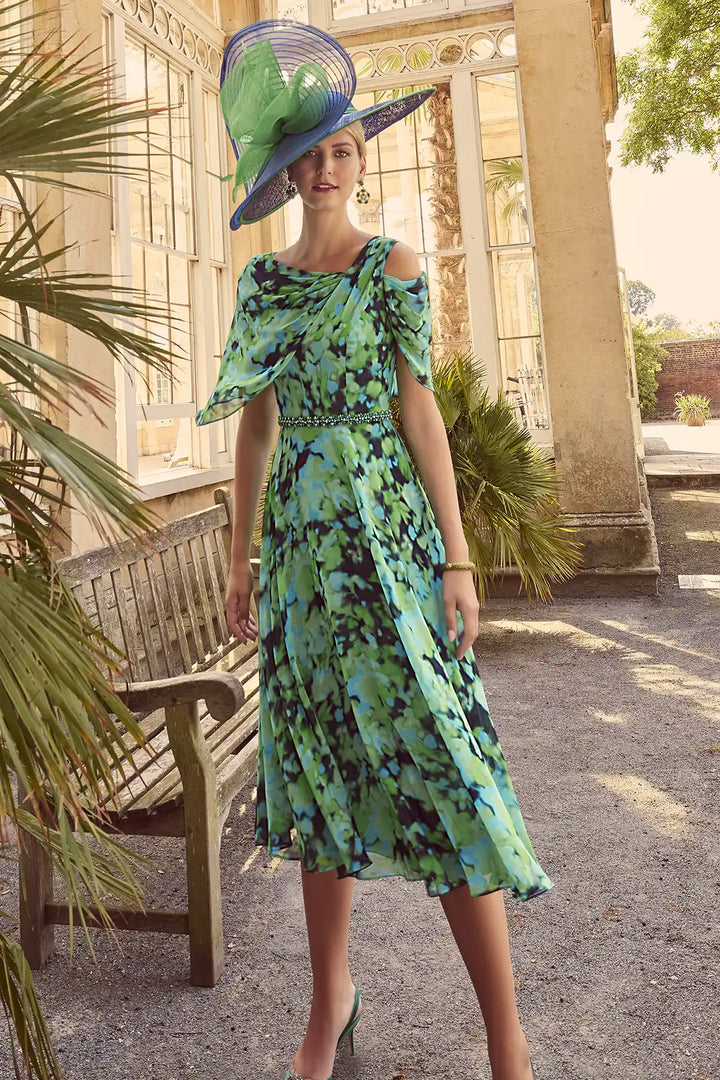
(327,173)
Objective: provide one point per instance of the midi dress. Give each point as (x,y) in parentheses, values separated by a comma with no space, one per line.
(376,753)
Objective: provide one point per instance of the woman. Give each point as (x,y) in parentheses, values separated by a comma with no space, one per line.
(376,754)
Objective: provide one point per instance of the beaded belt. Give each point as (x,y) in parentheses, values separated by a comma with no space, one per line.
(320,419)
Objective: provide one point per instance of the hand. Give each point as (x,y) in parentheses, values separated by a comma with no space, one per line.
(459,595)
(237,602)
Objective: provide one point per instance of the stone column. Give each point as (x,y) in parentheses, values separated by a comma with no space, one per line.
(588,385)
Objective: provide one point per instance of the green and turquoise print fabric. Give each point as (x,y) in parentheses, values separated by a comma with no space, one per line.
(377,755)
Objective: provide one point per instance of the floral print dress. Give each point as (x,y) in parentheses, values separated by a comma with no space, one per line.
(376,753)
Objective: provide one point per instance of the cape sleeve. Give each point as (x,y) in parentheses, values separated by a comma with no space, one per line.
(408,303)
(257,349)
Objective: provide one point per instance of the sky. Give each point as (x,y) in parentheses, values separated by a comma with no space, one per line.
(667,226)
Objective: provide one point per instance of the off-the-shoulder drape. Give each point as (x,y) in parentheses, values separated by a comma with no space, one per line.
(262,339)
(410,318)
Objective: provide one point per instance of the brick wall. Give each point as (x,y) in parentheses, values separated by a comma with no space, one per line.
(691,367)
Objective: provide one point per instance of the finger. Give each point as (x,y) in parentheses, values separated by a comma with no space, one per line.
(451,619)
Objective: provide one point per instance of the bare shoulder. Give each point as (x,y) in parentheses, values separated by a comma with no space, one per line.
(402,262)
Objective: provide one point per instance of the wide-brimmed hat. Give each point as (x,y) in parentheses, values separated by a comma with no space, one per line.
(285,86)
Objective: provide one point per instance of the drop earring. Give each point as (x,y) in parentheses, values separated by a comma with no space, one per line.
(362,194)
(292,189)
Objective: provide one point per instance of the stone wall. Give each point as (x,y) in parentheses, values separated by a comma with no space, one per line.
(691,367)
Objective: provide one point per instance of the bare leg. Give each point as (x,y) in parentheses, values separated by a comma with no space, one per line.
(479,926)
(328,903)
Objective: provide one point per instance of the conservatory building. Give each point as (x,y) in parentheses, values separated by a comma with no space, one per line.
(499,182)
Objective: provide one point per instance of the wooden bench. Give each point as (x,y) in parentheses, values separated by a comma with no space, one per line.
(194,690)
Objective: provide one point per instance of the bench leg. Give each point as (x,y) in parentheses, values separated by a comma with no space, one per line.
(202,841)
(37,936)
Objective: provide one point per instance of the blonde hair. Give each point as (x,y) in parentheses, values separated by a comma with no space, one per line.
(356,130)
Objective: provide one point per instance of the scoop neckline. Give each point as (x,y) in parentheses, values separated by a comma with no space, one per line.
(324,273)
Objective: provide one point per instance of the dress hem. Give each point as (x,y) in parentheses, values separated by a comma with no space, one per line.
(433,889)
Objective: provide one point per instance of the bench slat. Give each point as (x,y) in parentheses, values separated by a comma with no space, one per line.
(161,616)
(178,622)
(200,653)
(216,594)
(213,643)
(128,626)
(144,619)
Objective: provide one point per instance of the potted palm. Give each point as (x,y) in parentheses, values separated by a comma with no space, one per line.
(507,486)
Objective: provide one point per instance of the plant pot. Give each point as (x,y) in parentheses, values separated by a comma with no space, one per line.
(695,421)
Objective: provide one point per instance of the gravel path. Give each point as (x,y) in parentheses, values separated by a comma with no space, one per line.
(608,711)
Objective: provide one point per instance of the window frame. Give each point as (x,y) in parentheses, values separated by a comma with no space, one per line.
(479,253)
(320,14)
(210,464)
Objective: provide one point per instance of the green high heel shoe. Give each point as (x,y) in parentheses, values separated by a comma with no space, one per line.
(349,1029)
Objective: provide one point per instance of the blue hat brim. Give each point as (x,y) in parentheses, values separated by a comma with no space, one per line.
(269,189)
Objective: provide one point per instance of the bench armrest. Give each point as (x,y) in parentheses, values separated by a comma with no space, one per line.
(222,692)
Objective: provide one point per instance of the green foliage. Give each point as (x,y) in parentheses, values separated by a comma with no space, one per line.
(61,724)
(640,297)
(649,355)
(672,84)
(507,487)
(691,408)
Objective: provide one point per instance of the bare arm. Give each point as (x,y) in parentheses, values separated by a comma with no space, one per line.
(426,436)
(256,436)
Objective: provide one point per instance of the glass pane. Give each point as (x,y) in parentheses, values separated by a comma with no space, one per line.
(440,208)
(448,300)
(135,86)
(516,293)
(524,380)
(180,113)
(217,278)
(211,120)
(139,191)
(292,9)
(164,446)
(161,199)
(499,121)
(349,9)
(179,291)
(396,144)
(401,207)
(157,90)
(434,129)
(506,201)
(182,190)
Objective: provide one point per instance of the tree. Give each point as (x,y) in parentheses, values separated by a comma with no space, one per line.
(640,297)
(60,721)
(672,83)
(649,355)
(664,320)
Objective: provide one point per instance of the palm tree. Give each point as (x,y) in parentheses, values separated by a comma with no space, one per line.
(507,488)
(505,177)
(60,721)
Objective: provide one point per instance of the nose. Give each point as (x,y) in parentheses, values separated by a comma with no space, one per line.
(324,165)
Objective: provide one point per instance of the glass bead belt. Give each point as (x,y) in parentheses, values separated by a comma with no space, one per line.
(320,419)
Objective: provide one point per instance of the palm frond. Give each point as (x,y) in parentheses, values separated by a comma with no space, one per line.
(102,489)
(60,720)
(85,301)
(28,1030)
(507,487)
